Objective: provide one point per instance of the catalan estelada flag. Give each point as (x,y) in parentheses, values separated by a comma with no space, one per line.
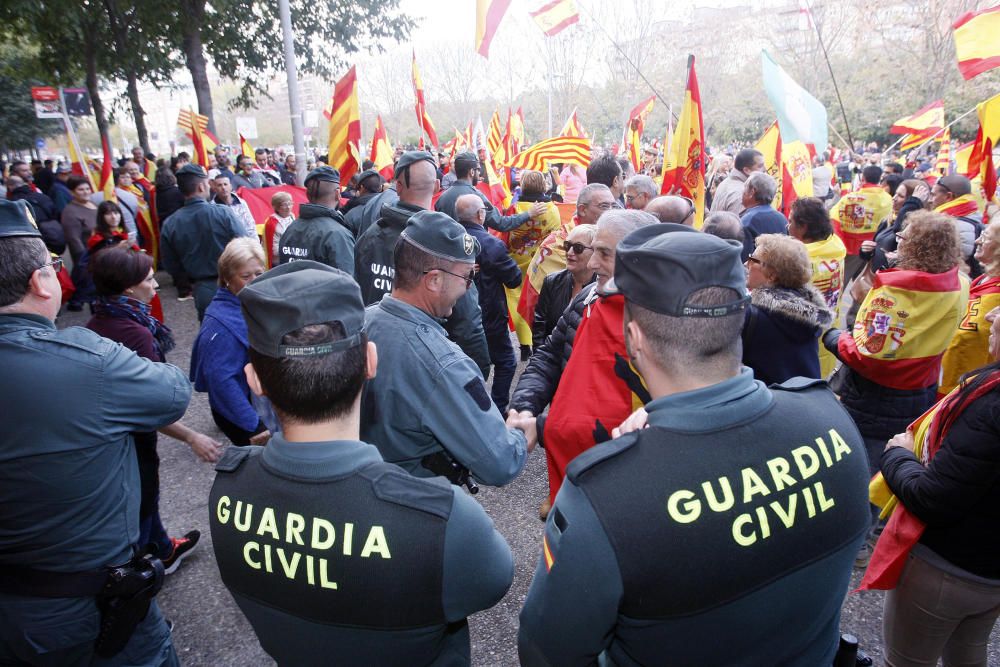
(423,118)
(381,153)
(633,131)
(554,17)
(904,326)
(977,45)
(345,127)
(489,14)
(920,126)
(245,147)
(565,150)
(684,168)
(107,175)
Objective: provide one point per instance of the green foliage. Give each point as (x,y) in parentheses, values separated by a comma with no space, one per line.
(18,125)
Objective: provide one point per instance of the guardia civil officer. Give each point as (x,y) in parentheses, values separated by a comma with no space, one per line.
(335,556)
(725,532)
(69,482)
(415,179)
(194,236)
(433,406)
(467,171)
(320,233)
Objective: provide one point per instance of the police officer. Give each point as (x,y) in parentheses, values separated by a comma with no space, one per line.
(69,482)
(335,556)
(195,235)
(725,532)
(415,179)
(433,406)
(320,233)
(467,170)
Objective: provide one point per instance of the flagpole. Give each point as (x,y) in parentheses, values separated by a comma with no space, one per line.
(836,88)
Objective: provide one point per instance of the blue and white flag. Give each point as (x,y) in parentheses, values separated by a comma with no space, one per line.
(800,115)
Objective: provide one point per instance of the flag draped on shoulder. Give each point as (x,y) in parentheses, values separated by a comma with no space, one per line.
(977,45)
(684,166)
(245,147)
(423,118)
(345,127)
(801,116)
(633,131)
(921,126)
(381,153)
(565,150)
(107,175)
(554,17)
(489,14)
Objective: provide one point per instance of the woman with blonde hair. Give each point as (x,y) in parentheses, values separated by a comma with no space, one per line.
(276,224)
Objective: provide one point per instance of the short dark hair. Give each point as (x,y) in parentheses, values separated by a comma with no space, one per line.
(871,174)
(745,158)
(312,389)
(105,207)
(22,256)
(260,150)
(463,168)
(892,180)
(165,178)
(411,263)
(894,168)
(811,213)
(603,169)
(116,269)
(73,182)
(188,183)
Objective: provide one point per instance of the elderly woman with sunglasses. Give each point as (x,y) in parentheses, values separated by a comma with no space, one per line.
(559,288)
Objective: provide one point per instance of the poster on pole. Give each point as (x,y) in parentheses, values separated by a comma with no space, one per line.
(46,99)
(247,126)
(76,101)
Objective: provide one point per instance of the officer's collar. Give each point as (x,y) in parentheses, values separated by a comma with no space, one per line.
(714,407)
(392,305)
(318,459)
(11,319)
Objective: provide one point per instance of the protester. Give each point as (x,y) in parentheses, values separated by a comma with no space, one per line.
(276,224)
(168,195)
(573,180)
(787,313)
(729,194)
(561,287)
(724,224)
(59,193)
(79,217)
(952,195)
(219,354)
(639,190)
(758,216)
(467,174)
(911,195)
(858,215)
(604,168)
(552,185)
(672,208)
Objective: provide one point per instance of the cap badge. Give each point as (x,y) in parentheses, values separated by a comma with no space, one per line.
(469,244)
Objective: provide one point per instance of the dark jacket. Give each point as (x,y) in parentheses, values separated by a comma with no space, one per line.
(168,200)
(42,207)
(501,223)
(496,271)
(352,211)
(372,210)
(319,234)
(757,220)
(781,330)
(957,495)
(557,291)
(538,383)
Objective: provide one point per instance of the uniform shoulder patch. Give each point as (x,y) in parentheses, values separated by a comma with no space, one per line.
(799,384)
(599,453)
(434,496)
(477,390)
(232,459)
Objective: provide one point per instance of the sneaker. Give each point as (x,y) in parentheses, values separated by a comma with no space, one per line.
(184,297)
(864,555)
(183,546)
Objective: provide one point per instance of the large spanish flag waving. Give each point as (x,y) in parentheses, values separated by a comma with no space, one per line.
(245,147)
(345,127)
(920,126)
(489,14)
(977,45)
(684,171)
(904,326)
(633,131)
(981,158)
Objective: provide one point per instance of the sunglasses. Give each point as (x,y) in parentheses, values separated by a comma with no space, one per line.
(467,278)
(577,248)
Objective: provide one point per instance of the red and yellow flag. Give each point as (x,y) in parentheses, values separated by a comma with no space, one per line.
(77,160)
(200,156)
(920,126)
(976,44)
(556,16)
(684,168)
(981,158)
(904,326)
(494,135)
(345,127)
(381,153)
(184,121)
(423,119)
(572,127)
(517,131)
(107,175)
(858,214)
(633,131)
(969,348)
(942,164)
(489,14)
(962,155)
(245,147)
(566,150)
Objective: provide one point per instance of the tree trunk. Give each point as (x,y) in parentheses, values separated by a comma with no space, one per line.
(137,112)
(194,53)
(120,30)
(90,57)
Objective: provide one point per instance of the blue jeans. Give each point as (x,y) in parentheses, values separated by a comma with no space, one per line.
(504,366)
(151,531)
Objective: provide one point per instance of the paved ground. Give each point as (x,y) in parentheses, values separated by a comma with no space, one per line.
(210,630)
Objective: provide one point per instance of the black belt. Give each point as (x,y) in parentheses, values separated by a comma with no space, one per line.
(19,580)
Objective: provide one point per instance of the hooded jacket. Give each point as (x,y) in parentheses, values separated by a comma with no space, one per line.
(781,331)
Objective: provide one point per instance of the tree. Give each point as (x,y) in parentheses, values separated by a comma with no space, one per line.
(18,125)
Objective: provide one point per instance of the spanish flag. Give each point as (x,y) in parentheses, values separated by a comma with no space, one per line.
(556,16)
(789,164)
(633,133)
(962,155)
(969,348)
(423,118)
(921,126)
(566,150)
(981,158)
(77,159)
(107,175)
(977,46)
(489,14)
(200,156)
(345,127)
(684,168)
(827,260)
(381,153)
(245,147)
(904,326)
(770,146)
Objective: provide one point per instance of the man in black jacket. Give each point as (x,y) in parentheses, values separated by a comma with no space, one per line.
(559,288)
(319,233)
(369,185)
(466,177)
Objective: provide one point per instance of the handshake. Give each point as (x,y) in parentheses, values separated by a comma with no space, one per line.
(525,422)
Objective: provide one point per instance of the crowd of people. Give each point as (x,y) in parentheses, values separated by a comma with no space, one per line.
(734,415)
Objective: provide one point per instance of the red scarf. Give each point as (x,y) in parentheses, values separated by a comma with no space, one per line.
(270,227)
(959,207)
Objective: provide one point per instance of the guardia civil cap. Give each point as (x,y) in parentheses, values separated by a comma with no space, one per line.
(437,234)
(409,158)
(370,173)
(16,219)
(297,294)
(325,173)
(467,157)
(192,169)
(660,266)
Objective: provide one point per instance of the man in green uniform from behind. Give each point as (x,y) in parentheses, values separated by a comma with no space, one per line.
(320,233)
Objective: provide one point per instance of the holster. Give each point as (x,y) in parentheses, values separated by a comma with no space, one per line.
(125,601)
(440,463)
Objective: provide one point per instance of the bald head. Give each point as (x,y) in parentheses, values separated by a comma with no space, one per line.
(672,208)
(422,184)
(468,207)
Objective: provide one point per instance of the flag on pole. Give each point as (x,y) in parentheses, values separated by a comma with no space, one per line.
(494,135)
(489,14)
(572,127)
(566,150)
(107,176)
(200,156)
(633,131)
(684,168)
(184,121)
(517,131)
(381,153)
(345,127)
(770,146)
(920,126)
(556,16)
(962,155)
(981,158)
(423,119)
(76,158)
(942,164)
(977,46)
(245,147)
(801,116)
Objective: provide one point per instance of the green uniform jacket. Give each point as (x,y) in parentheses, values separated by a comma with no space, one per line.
(501,223)
(195,235)
(321,235)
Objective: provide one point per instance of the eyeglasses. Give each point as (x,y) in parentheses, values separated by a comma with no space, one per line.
(56,265)
(900,237)
(468,278)
(604,205)
(691,208)
(577,248)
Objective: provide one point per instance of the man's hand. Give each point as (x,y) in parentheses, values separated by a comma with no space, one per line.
(538,209)
(637,420)
(261,438)
(205,448)
(904,440)
(867,246)
(526,422)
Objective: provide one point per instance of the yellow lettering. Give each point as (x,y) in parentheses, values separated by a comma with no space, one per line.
(289,566)
(807,468)
(752,484)
(824,502)
(686,513)
(243,525)
(310,576)
(839,446)
(765,526)
(268,524)
(376,543)
(823,450)
(787,518)
(222,509)
(810,507)
(348,538)
(779,467)
(323,580)
(727,495)
(246,554)
(267,558)
(294,525)
(742,539)
(322,542)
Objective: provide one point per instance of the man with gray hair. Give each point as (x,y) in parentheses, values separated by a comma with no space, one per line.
(672,208)
(586,378)
(638,191)
(759,217)
(724,224)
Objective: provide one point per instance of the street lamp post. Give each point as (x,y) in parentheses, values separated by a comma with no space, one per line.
(294,109)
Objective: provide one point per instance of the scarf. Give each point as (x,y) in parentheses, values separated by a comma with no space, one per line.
(548,259)
(137,311)
(904,529)
(959,207)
